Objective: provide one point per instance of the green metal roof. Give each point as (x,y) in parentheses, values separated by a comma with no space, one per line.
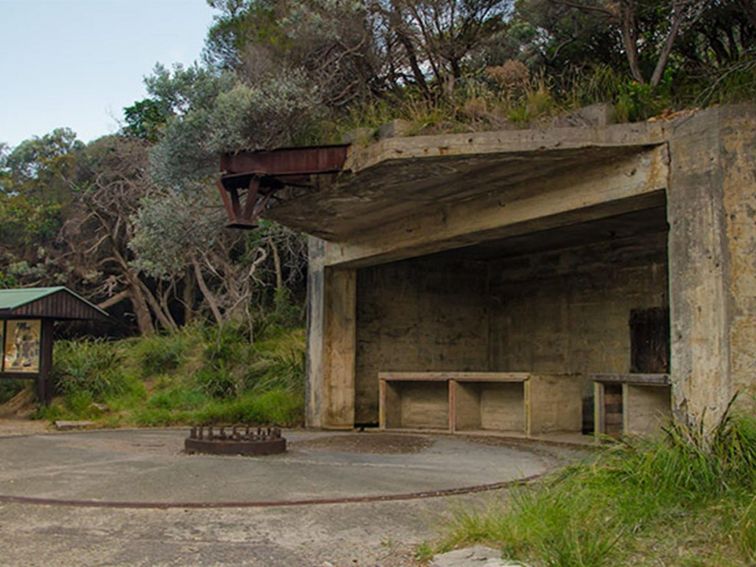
(11,299)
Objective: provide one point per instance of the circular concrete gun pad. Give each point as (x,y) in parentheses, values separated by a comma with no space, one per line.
(147,468)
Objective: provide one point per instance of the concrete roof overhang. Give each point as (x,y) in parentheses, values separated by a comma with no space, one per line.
(401,178)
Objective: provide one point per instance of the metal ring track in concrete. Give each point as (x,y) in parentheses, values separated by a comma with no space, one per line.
(145,469)
(7,499)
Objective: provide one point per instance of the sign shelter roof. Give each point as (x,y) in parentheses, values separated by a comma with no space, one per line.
(47,303)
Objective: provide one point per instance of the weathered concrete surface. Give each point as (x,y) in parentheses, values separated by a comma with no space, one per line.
(559,311)
(418,315)
(148,466)
(423,196)
(347,535)
(712,255)
(130,464)
(394,177)
(595,190)
(569,310)
(331,342)
(645,409)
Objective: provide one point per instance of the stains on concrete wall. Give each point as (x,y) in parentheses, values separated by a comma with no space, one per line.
(738,162)
(569,311)
(712,250)
(418,315)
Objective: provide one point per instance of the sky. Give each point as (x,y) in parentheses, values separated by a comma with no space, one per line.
(78,63)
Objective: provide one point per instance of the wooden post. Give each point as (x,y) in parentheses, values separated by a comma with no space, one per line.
(44,387)
(382,404)
(598,409)
(452,406)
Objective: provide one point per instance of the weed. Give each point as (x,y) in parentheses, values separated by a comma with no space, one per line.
(601,511)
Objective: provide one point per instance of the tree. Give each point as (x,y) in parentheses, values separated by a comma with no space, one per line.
(439,35)
(180,231)
(145,119)
(668,20)
(34,194)
(112,179)
(41,167)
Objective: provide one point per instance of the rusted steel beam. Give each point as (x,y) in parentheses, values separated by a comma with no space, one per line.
(287,161)
(249,179)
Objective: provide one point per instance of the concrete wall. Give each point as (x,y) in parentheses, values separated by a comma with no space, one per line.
(417,315)
(712,251)
(569,311)
(557,312)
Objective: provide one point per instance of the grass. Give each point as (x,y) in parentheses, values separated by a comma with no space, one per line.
(683,500)
(198,375)
(510,96)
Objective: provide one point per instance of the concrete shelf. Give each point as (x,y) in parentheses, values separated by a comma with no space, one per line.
(504,402)
(631,404)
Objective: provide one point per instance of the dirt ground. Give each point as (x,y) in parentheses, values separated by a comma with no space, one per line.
(12,427)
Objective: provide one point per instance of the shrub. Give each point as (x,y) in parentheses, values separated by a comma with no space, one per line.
(196,375)
(160,354)
(92,366)
(279,363)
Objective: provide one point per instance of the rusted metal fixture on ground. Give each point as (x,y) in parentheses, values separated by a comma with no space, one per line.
(249,180)
(235,440)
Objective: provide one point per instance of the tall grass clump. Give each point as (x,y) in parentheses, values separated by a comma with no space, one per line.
(91,366)
(87,376)
(160,354)
(635,495)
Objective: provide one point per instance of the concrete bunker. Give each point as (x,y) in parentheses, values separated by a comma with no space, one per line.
(467,279)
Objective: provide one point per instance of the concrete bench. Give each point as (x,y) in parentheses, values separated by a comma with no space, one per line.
(508,402)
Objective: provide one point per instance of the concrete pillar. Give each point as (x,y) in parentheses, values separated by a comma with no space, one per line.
(315,369)
(712,255)
(331,337)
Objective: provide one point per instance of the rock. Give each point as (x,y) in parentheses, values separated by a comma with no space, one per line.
(62,425)
(476,556)
(395,129)
(597,115)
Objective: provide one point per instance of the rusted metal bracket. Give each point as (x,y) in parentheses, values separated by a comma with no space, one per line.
(249,179)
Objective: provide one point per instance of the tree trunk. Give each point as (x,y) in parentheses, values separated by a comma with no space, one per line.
(207,294)
(630,40)
(276,264)
(165,319)
(115,299)
(141,310)
(188,297)
(661,62)
(395,18)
